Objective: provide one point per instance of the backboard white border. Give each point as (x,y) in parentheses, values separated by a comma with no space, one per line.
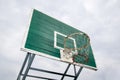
(27,29)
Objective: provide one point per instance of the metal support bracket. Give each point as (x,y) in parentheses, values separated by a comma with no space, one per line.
(27,66)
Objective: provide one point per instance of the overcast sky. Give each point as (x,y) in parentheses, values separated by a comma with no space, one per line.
(100,19)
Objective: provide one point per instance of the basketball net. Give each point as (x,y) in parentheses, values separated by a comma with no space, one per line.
(80,53)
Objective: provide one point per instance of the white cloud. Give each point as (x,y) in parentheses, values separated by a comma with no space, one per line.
(91,5)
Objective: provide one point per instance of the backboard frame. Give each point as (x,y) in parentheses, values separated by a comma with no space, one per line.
(45,55)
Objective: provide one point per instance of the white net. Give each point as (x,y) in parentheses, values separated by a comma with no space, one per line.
(79,53)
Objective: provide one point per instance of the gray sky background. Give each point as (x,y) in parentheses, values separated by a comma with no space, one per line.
(100,19)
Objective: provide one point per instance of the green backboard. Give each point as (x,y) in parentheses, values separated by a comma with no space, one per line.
(45,37)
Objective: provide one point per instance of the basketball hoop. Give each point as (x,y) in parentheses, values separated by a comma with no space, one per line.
(80,52)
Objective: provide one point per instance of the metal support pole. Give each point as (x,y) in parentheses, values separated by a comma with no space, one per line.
(26,58)
(51,72)
(65,71)
(40,77)
(76,76)
(74,69)
(28,66)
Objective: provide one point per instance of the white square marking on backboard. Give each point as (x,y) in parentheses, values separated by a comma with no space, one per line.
(55,40)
